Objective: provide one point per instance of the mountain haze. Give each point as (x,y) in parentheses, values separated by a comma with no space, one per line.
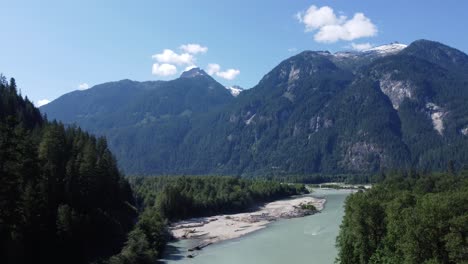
(394,106)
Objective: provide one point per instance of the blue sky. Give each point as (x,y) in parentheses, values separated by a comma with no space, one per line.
(54,47)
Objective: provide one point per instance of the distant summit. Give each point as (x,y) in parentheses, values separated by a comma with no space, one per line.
(235,90)
(194,72)
(391,48)
(378,51)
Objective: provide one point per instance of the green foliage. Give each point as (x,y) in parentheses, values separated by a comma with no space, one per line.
(137,250)
(62,198)
(194,196)
(412,218)
(146,241)
(308,206)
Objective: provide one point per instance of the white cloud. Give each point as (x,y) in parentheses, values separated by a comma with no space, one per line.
(331,28)
(188,68)
(164,69)
(42,102)
(193,48)
(170,57)
(315,18)
(229,74)
(168,61)
(361,46)
(83,86)
(213,68)
(292,49)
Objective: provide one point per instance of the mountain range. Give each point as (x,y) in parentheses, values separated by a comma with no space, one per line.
(390,107)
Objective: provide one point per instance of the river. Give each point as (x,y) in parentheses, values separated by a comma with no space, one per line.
(308,239)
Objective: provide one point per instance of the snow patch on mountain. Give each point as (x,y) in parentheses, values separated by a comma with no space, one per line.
(235,90)
(437,115)
(346,54)
(379,51)
(388,49)
(464,131)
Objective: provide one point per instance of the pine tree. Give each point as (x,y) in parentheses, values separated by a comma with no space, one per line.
(53,182)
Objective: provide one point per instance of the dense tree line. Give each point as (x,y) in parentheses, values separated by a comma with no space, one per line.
(62,197)
(180,197)
(323,178)
(409,218)
(146,242)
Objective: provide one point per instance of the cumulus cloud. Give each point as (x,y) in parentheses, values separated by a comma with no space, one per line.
(164,69)
(170,57)
(315,18)
(42,102)
(193,48)
(83,86)
(361,46)
(168,62)
(229,74)
(329,27)
(213,68)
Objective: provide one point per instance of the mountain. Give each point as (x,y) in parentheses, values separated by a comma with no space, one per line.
(354,60)
(392,48)
(194,91)
(393,106)
(235,90)
(149,119)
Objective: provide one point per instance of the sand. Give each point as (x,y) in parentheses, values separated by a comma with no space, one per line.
(214,229)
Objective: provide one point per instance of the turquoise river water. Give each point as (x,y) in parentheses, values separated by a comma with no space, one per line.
(308,239)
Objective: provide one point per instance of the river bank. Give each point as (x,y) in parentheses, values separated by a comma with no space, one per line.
(214,229)
(309,239)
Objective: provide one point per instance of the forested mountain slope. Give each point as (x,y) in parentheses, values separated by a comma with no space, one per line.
(148,119)
(316,112)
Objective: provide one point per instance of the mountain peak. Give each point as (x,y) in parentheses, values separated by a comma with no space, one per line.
(194,72)
(391,48)
(382,50)
(235,90)
(438,53)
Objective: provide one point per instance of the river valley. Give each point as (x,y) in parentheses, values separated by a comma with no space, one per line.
(309,239)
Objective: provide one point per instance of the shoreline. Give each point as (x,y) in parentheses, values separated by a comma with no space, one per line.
(218,228)
(339,186)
